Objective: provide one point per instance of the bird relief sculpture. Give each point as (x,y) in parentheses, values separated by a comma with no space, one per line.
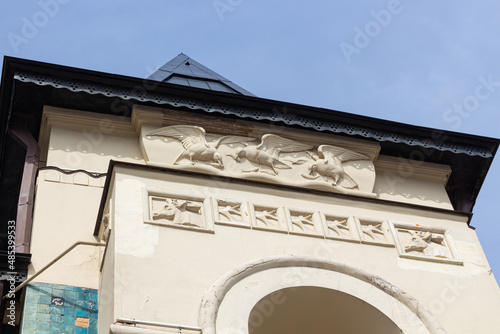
(427,243)
(266,156)
(230,213)
(267,218)
(374,232)
(180,212)
(196,148)
(275,159)
(329,166)
(303,223)
(339,226)
(234,213)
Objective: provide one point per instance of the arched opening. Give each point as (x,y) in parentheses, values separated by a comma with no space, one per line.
(231,300)
(308,309)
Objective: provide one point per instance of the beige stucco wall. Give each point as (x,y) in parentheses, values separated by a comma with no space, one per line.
(162,273)
(185,263)
(414,182)
(107,289)
(75,149)
(67,203)
(73,139)
(65,210)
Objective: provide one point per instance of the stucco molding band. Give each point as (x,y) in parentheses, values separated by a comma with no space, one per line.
(214,296)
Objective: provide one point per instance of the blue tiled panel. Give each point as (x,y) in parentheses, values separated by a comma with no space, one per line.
(43,314)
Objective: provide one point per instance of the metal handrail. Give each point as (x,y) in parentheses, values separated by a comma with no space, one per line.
(23,284)
(158,324)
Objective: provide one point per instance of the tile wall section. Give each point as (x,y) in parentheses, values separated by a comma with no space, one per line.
(53,308)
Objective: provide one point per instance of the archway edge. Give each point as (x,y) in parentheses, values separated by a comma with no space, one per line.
(215,294)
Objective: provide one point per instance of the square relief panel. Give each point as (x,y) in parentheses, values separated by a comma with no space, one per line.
(232,213)
(425,243)
(343,228)
(269,218)
(374,232)
(179,212)
(304,223)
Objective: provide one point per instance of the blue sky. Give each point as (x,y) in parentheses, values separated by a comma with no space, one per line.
(406,61)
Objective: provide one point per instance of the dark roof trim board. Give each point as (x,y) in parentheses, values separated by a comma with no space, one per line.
(274,115)
(113,82)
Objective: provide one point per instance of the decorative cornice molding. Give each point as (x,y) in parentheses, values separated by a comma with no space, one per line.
(81,121)
(160,117)
(215,295)
(142,95)
(414,169)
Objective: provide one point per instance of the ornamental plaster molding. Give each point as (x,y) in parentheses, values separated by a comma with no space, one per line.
(413,241)
(269,158)
(410,168)
(273,115)
(428,243)
(216,293)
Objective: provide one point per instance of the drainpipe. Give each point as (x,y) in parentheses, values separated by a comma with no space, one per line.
(19,131)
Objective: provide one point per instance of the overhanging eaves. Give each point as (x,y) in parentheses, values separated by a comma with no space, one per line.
(274,115)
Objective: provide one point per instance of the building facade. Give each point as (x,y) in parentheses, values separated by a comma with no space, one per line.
(183,202)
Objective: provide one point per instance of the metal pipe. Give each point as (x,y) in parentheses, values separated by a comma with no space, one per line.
(124,329)
(21,134)
(158,324)
(23,284)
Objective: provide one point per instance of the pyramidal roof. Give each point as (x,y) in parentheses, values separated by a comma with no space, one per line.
(183,70)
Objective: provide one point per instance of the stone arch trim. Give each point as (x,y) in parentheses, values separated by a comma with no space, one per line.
(215,294)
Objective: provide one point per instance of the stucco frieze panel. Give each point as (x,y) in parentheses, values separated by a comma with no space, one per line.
(374,231)
(232,213)
(305,223)
(413,241)
(340,228)
(329,166)
(179,207)
(268,218)
(267,157)
(426,243)
(180,212)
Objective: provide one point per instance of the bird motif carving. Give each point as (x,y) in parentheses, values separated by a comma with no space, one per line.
(196,147)
(430,244)
(329,165)
(267,153)
(339,226)
(181,212)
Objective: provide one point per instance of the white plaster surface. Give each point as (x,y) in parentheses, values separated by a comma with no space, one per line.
(185,263)
(63,215)
(247,292)
(161,273)
(76,149)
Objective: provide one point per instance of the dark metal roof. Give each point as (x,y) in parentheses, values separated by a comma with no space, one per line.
(183,70)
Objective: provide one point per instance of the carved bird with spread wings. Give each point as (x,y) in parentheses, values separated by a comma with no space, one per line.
(267,153)
(328,164)
(196,147)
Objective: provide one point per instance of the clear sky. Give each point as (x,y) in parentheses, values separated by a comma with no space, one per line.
(417,62)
